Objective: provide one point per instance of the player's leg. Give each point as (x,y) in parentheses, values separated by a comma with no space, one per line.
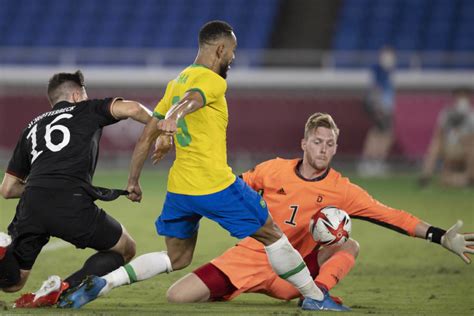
(238,270)
(335,262)
(188,289)
(288,264)
(12,278)
(243,212)
(108,258)
(281,289)
(180,227)
(327,265)
(79,221)
(181,231)
(125,246)
(28,237)
(141,268)
(206,283)
(71,215)
(179,256)
(286,261)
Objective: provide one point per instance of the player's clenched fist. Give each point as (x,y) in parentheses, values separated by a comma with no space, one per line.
(167,126)
(134,192)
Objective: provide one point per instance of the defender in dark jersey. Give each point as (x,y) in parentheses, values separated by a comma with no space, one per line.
(51,172)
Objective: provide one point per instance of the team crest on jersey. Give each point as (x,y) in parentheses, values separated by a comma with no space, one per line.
(319,199)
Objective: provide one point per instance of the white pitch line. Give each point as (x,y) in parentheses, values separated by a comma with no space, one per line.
(55,245)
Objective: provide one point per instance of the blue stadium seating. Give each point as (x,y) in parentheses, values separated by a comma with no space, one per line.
(362,25)
(130,23)
(407,25)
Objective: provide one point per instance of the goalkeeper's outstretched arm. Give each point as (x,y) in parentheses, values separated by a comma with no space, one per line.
(360,205)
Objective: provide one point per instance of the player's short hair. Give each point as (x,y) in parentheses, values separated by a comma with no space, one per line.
(61,84)
(320,120)
(213,30)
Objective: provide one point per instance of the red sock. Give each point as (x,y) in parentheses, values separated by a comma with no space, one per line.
(335,269)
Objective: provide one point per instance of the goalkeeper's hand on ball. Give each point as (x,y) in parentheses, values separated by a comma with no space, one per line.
(458,243)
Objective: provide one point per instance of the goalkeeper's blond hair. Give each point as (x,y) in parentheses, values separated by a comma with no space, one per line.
(320,120)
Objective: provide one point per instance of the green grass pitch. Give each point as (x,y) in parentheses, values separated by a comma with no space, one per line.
(393,275)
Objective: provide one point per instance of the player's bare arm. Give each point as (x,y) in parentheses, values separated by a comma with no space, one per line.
(163,145)
(191,102)
(11,187)
(148,136)
(123,109)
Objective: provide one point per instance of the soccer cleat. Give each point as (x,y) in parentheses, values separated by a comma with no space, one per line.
(336,299)
(86,292)
(47,295)
(5,241)
(326,304)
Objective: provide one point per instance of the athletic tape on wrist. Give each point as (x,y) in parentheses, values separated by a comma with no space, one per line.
(434,234)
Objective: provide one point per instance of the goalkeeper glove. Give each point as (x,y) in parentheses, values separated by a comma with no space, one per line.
(457,243)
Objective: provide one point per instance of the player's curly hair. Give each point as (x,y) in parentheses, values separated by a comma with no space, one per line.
(320,120)
(60,82)
(214,30)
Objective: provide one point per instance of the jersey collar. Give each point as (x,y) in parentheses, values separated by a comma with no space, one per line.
(61,104)
(198,65)
(319,178)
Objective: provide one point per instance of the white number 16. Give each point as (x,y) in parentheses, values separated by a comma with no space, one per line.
(47,136)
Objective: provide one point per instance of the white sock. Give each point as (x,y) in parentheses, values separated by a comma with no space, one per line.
(289,265)
(141,268)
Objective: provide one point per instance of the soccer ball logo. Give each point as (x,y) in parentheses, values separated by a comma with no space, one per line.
(330,226)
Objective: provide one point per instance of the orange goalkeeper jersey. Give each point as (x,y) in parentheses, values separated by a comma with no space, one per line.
(293,200)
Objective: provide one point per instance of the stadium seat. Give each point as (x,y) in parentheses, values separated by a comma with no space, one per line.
(421,25)
(130,23)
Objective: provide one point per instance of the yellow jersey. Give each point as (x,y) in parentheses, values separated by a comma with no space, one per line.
(200,166)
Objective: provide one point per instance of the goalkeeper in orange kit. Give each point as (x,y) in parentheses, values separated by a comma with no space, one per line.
(294,190)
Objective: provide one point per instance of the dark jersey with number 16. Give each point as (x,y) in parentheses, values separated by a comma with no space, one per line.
(59,148)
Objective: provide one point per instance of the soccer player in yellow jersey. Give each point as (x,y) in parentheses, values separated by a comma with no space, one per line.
(200,182)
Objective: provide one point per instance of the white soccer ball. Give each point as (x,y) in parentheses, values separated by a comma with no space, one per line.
(330,226)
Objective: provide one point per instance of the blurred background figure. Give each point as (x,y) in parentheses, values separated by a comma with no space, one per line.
(452,144)
(380,106)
